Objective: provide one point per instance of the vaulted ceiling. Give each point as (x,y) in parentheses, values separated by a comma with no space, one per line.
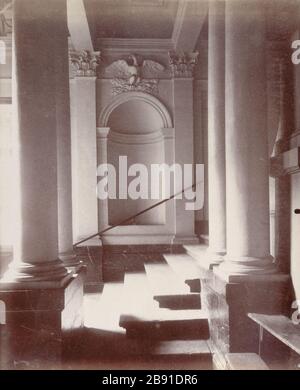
(181,22)
(144,19)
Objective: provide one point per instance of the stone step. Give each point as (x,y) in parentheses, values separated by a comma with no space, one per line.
(164,281)
(194,285)
(187,268)
(137,297)
(178,348)
(181,354)
(202,256)
(166,328)
(245,361)
(142,317)
(175,354)
(169,290)
(197,252)
(107,302)
(183,265)
(204,238)
(179,302)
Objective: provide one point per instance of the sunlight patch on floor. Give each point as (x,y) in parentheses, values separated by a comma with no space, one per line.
(102,311)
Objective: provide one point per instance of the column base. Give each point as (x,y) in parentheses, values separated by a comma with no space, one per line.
(91,259)
(202,255)
(245,268)
(35,275)
(215,257)
(185,240)
(70,260)
(40,323)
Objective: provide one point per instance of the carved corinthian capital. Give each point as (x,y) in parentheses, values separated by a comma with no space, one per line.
(182,64)
(84,63)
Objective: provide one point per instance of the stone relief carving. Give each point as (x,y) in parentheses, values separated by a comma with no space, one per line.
(84,63)
(182,64)
(134,74)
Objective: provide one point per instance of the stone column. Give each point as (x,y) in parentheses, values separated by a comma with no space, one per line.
(247,161)
(63,128)
(216,132)
(102,133)
(182,66)
(35,201)
(283,181)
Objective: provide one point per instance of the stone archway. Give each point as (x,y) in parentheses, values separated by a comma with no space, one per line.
(140,126)
(140,96)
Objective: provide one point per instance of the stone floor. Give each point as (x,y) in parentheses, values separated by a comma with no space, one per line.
(104,344)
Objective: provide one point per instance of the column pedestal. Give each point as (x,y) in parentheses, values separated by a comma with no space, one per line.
(228,305)
(40,323)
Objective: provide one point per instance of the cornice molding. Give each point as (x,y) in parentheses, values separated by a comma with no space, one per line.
(5,100)
(135,45)
(136,139)
(153,137)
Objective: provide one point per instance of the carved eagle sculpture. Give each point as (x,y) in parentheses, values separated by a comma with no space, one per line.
(133,69)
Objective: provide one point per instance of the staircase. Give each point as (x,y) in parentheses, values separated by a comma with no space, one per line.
(153,320)
(162,306)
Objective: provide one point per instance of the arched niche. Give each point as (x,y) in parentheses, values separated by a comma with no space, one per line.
(141,97)
(139,126)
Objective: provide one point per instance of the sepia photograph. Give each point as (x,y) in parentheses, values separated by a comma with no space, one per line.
(149,188)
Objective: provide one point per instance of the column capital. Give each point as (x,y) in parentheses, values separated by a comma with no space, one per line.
(168,132)
(102,132)
(182,64)
(84,63)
